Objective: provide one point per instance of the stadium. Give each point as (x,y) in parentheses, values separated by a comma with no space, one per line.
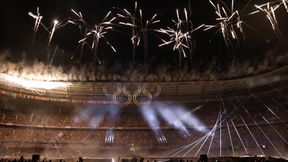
(88,106)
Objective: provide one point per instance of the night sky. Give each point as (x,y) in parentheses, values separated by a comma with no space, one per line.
(16,31)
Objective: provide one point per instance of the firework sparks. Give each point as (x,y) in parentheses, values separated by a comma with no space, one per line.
(55,25)
(140,27)
(269,10)
(181,36)
(96,32)
(285,3)
(38,18)
(80,22)
(229,22)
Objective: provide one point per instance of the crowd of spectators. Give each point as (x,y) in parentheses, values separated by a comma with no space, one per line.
(63,129)
(167,159)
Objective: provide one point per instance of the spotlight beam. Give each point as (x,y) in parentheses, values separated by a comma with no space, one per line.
(239,137)
(230,137)
(256,142)
(279,105)
(268,139)
(212,137)
(149,114)
(204,137)
(272,112)
(262,131)
(275,130)
(181,149)
(217,123)
(220,136)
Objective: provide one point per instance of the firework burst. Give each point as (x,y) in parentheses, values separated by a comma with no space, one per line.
(269,10)
(56,24)
(140,27)
(38,18)
(96,32)
(180,36)
(229,22)
(285,4)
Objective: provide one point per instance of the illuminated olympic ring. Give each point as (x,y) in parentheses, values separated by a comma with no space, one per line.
(119,90)
(140,90)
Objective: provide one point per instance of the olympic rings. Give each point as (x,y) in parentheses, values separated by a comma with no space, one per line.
(141,91)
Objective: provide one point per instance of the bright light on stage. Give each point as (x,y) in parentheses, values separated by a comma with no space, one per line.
(34,84)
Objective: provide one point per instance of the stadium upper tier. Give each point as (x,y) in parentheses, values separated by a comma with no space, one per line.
(108,92)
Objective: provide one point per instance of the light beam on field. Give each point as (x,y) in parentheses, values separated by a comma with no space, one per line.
(169,116)
(272,112)
(256,142)
(262,131)
(204,138)
(267,137)
(275,130)
(94,115)
(176,116)
(241,140)
(150,115)
(192,145)
(230,137)
(182,148)
(212,138)
(181,118)
(211,135)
